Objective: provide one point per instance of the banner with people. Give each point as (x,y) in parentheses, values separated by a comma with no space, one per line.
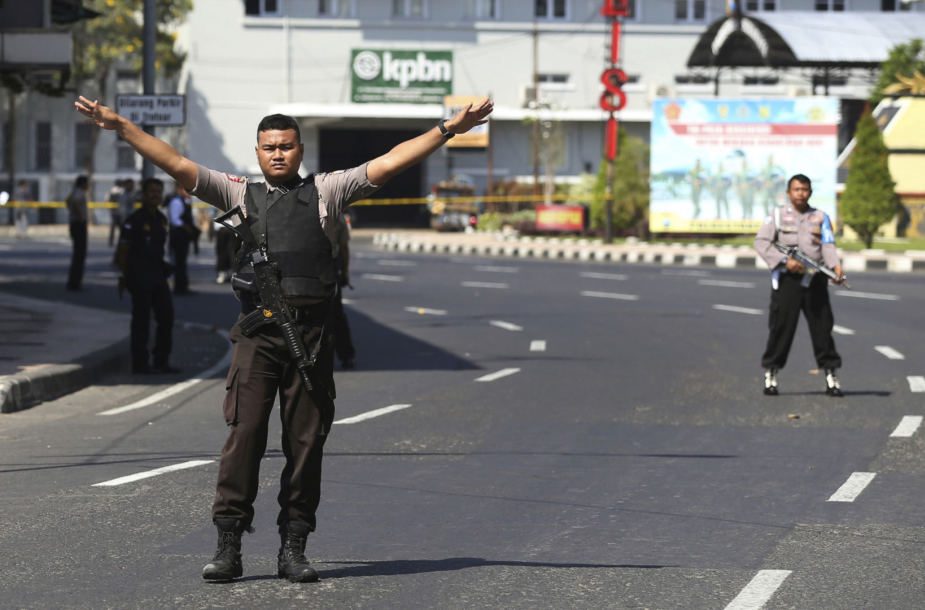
(721,165)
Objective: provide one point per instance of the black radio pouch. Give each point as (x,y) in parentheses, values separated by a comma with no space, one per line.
(254,321)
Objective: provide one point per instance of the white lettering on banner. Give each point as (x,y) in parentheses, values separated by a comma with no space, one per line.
(419,69)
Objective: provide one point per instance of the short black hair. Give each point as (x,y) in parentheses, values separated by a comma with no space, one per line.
(81,182)
(149,181)
(279,122)
(802,179)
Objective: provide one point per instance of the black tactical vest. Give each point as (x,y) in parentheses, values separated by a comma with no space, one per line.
(290,229)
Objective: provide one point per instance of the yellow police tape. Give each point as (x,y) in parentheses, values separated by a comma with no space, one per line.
(102,205)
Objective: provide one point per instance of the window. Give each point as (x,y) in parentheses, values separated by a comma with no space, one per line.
(334,8)
(414,9)
(690,10)
(895,5)
(42,159)
(262,7)
(830,5)
(759,6)
(83,144)
(486,9)
(550,9)
(126,157)
(768,79)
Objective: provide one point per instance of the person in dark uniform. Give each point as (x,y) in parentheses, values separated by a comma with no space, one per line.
(296,218)
(77,216)
(343,342)
(794,290)
(140,258)
(182,232)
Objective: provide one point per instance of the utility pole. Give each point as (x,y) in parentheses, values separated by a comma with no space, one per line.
(149,39)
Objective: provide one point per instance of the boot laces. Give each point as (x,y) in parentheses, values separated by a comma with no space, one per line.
(227,546)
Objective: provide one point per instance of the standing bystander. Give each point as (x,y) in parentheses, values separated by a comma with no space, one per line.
(77,224)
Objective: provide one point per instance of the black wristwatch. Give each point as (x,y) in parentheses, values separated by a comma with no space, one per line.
(446,133)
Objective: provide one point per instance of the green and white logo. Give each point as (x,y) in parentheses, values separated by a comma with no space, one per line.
(401,76)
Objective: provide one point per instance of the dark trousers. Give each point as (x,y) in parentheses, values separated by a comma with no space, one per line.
(224,249)
(147,296)
(261,366)
(115,225)
(179,245)
(786,304)
(75,274)
(340,328)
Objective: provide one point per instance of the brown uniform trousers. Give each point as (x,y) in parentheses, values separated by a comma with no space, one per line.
(261,366)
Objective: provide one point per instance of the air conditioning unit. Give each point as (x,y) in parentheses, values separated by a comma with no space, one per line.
(527,95)
(656,91)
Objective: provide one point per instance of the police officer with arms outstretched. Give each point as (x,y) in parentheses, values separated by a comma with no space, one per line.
(794,289)
(295,218)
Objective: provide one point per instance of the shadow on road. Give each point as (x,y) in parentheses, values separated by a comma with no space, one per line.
(421,566)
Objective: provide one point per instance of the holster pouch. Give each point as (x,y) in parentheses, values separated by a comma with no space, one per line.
(253,322)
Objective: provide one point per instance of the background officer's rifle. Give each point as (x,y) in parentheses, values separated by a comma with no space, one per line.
(796,254)
(272,306)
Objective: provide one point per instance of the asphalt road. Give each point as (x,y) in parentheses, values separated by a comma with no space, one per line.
(563,435)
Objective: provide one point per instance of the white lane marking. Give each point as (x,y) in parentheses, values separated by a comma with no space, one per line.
(759,590)
(500,285)
(498,374)
(853,487)
(379,277)
(152,473)
(916,383)
(394,263)
(609,295)
(734,309)
(841,330)
(506,325)
(538,345)
(889,352)
(907,426)
(347,301)
(371,414)
(426,311)
(496,269)
(726,283)
(686,273)
(603,276)
(220,366)
(867,295)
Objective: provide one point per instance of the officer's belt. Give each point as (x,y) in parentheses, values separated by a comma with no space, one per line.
(315,312)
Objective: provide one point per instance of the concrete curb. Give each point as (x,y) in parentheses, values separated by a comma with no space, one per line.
(587,250)
(25,390)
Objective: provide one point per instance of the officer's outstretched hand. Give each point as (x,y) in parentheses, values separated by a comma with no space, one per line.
(470,116)
(103,116)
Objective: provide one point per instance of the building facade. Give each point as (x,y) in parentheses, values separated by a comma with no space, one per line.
(540,61)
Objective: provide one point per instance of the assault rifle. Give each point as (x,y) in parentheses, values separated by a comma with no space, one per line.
(273,309)
(796,254)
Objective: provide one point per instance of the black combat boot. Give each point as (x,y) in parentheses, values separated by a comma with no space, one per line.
(226,565)
(291,561)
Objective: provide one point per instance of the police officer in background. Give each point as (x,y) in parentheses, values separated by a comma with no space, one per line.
(793,289)
(182,233)
(343,342)
(140,258)
(296,218)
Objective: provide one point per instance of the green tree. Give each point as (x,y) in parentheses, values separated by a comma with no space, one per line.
(114,40)
(869,199)
(903,60)
(630,185)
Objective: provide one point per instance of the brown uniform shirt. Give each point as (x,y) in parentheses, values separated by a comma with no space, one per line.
(336,190)
(811,231)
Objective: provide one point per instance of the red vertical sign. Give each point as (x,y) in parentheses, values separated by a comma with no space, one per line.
(613,78)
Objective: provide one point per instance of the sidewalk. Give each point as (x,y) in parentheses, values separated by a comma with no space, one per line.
(51,349)
(499,244)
